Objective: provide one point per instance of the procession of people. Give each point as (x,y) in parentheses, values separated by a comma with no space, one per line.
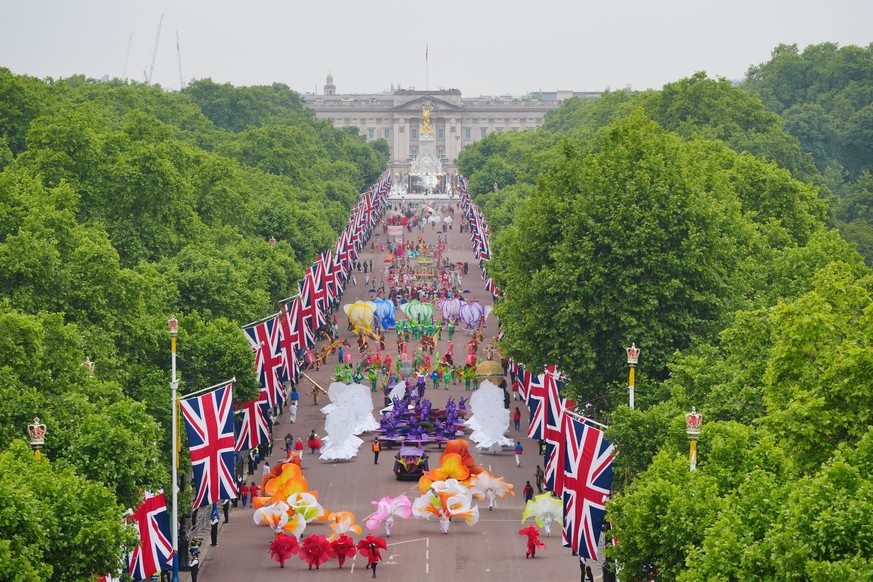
(436,355)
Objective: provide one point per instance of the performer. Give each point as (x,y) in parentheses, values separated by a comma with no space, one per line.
(341,548)
(315,550)
(283,547)
(369,548)
(444,523)
(533,540)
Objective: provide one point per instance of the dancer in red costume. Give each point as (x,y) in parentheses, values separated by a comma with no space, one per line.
(315,551)
(533,540)
(369,548)
(341,548)
(283,547)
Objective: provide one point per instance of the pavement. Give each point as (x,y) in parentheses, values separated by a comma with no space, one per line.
(489,550)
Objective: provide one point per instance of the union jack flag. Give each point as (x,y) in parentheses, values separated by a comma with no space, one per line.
(254,429)
(155,551)
(522,379)
(301,322)
(311,311)
(318,288)
(371,209)
(553,428)
(269,365)
(357,224)
(587,460)
(209,424)
(536,396)
(341,250)
(290,340)
(330,274)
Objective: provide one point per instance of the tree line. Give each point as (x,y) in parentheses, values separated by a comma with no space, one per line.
(696,222)
(122,205)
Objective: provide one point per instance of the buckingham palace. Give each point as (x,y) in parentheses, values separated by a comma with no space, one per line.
(395,115)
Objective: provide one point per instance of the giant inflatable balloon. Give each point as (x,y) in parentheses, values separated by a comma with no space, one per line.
(385,309)
(450,309)
(361,314)
(473,313)
(415,310)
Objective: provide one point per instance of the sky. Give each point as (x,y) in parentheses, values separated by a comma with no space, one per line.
(482,47)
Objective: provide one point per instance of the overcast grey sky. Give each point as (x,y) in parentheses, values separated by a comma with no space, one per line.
(482,47)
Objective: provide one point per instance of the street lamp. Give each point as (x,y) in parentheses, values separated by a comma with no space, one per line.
(633,356)
(36,431)
(173,325)
(693,420)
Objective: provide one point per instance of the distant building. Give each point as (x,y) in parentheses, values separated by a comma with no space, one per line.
(457,121)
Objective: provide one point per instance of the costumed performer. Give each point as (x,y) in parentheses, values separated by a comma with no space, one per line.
(315,550)
(533,540)
(341,548)
(283,547)
(387,509)
(369,548)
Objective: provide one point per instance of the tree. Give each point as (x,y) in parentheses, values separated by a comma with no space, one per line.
(620,244)
(57,526)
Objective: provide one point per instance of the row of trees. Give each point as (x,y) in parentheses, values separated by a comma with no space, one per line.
(121,205)
(689,221)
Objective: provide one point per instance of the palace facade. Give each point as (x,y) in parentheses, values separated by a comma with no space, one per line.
(457,121)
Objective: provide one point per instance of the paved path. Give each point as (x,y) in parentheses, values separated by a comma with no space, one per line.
(489,550)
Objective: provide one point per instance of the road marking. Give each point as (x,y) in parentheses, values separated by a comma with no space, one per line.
(415,540)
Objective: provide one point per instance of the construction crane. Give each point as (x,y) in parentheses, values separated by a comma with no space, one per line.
(127,58)
(179,52)
(149,75)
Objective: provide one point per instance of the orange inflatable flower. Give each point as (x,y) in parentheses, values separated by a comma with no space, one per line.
(288,480)
(451,467)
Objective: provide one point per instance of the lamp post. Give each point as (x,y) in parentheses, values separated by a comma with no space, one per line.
(693,420)
(633,356)
(36,431)
(173,325)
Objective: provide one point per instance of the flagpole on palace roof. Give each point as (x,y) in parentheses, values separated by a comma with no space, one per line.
(173,325)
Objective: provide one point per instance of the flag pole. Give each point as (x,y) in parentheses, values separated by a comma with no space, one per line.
(426,69)
(262,320)
(219,385)
(174,384)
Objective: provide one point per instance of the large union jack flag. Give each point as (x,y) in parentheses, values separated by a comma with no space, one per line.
(587,459)
(155,551)
(254,429)
(270,366)
(209,424)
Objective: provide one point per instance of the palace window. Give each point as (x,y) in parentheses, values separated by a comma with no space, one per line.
(370,133)
(386,133)
(413,133)
(483,132)
(466,133)
(441,133)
